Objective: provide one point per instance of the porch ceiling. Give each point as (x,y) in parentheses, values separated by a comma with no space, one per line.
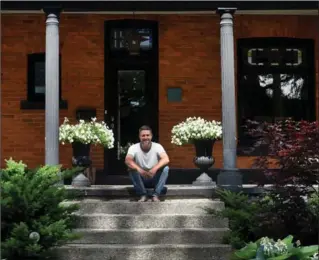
(159,6)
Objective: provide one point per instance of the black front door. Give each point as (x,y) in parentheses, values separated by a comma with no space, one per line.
(131,98)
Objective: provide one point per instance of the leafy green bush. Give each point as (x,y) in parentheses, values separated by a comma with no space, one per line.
(34,219)
(292,165)
(289,213)
(241,213)
(268,249)
(313,204)
(272,215)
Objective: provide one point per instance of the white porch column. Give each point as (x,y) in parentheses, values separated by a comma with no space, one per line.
(52,86)
(229,177)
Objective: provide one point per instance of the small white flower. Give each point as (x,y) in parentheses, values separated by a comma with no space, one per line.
(272,248)
(315,256)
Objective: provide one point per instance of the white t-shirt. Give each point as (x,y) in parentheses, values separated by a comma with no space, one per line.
(146,160)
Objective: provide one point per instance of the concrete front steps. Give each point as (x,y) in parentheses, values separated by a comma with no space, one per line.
(174,229)
(146,252)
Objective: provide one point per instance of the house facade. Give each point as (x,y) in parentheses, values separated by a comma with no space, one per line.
(154,64)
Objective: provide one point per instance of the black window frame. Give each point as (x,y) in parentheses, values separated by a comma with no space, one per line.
(307,69)
(134,24)
(37,100)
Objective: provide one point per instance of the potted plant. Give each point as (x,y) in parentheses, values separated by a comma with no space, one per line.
(81,135)
(202,134)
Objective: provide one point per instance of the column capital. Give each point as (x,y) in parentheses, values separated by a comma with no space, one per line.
(226,10)
(54,9)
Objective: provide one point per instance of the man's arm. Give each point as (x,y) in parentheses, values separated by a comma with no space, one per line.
(129,161)
(164,160)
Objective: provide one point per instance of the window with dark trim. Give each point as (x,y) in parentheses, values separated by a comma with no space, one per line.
(125,38)
(131,38)
(276,81)
(36,82)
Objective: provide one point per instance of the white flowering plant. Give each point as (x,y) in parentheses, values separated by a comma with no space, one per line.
(315,257)
(91,132)
(272,248)
(196,128)
(267,248)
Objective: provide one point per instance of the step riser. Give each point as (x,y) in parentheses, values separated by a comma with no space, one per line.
(148,208)
(150,230)
(221,253)
(127,191)
(150,221)
(151,237)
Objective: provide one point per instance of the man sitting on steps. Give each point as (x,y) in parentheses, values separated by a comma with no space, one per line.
(148,165)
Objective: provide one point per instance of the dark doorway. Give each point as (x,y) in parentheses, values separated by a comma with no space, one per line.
(131,85)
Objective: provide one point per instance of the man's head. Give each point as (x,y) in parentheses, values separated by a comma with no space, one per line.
(145,135)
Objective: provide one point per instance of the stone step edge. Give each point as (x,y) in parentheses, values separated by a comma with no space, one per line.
(146,246)
(206,191)
(130,188)
(77,214)
(124,187)
(101,230)
(169,201)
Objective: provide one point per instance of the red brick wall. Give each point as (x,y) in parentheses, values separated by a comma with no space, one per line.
(189,58)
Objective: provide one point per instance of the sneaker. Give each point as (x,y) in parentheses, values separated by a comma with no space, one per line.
(142,199)
(155,199)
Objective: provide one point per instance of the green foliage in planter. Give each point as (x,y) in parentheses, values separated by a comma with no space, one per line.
(241,212)
(34,217)
(268,249)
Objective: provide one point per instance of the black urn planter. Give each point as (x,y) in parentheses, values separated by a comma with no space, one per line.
(81,157)
(204,160)
(81,154)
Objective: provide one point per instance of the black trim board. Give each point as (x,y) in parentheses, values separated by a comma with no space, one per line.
(82,6)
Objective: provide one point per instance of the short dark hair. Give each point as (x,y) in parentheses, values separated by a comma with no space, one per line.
(145,127)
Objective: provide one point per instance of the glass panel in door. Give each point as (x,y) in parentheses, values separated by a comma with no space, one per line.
(132,110)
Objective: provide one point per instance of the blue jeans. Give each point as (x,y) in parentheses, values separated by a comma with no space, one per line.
(157,182)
